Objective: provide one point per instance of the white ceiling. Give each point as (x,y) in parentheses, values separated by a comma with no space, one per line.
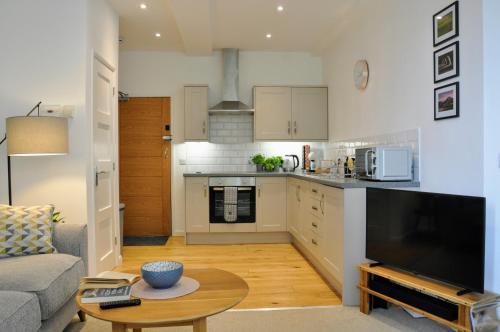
(200,26)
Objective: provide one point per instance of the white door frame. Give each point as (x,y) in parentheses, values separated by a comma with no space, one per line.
(91,166)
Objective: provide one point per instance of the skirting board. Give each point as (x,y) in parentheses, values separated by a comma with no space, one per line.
(237,238)
(330,279)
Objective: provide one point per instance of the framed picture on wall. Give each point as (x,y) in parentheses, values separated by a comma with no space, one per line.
(447,101)
(446,63)
(446,24)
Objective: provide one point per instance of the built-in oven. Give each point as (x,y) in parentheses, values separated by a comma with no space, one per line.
(232,200)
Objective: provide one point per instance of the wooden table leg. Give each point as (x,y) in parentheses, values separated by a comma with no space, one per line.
(82,316)
(200,325)
(117,327)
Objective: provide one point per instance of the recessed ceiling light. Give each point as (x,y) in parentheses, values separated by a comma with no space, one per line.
(280,8)
(143,6)
(268,36)
(157,35)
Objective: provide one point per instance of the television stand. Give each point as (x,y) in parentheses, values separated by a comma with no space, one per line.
(463,292)
(433,299)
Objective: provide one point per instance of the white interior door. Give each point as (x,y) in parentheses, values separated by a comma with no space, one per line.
(105,230)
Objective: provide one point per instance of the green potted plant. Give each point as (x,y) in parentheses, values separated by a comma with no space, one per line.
(258,160)
(272,164)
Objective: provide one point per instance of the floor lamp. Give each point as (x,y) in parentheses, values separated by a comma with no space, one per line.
(34,136)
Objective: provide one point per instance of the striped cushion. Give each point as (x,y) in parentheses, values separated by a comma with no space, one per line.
(25,230)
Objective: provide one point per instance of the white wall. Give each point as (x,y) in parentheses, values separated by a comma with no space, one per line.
(491,26)
(43,59)
(47,50)
(396,38)
(149,74)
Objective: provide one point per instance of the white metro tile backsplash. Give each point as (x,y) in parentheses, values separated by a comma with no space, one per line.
(231,129)
(411,138)
(213,157)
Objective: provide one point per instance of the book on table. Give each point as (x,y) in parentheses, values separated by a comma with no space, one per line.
(99,295)
(108,279)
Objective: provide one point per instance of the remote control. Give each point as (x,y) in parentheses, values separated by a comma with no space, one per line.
(119,304)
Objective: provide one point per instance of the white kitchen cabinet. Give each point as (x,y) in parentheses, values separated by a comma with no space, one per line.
(273,108)
(293,206)
(331,233)
(310,113)
(333,230)
(271,204)
(291,113)
(197,205)
(196,113)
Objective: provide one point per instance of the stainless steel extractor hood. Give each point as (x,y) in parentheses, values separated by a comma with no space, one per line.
(231,103)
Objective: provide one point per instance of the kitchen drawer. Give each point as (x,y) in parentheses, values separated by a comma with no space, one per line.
(315,190)
(316,225)
(314,243)
(316,207)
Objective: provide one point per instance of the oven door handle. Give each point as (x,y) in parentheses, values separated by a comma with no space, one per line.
(239,188)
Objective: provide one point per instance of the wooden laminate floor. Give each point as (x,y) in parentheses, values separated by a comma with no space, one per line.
(277,274)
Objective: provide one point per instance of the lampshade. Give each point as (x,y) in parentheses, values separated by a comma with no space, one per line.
(37,135)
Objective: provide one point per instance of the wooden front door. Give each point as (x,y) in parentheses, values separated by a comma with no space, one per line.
(145,166)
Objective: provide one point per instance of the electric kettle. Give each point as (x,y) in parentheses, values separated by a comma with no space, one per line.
(291,163)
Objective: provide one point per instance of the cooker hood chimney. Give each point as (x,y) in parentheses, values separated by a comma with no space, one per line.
(230,103)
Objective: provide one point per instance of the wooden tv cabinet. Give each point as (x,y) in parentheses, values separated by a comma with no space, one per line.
(423,285)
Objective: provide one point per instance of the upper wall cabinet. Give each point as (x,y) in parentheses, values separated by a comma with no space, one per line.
(273,107)
(310,113)
(196,113)
(291,113)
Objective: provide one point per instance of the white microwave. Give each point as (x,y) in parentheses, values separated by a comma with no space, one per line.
(383,163)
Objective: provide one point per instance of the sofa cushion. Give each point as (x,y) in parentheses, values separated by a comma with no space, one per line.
(54,278)
(19,312)
(25,230)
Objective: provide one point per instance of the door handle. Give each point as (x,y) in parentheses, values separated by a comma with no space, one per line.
(167,138)
(314,242)
(204,127)
(295,127)
(314,225)
(289,127)
(258,192)
(205,190)
(97,176)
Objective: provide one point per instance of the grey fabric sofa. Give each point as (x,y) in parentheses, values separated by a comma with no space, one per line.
(37,292)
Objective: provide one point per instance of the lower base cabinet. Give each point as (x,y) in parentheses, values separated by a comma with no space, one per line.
(197,205)
(271,204)
(328,226)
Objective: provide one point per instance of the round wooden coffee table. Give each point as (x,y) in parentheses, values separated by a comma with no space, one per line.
(219,291)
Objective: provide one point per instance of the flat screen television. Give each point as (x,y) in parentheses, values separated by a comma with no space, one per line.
(435,235)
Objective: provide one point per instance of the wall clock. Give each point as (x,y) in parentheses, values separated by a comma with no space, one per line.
(361,74)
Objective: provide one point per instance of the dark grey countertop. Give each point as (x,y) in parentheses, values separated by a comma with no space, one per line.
(325,179)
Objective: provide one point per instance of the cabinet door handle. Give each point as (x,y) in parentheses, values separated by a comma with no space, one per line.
(314,191)
(289,127)
(295,127)
(314,208)
(205,190)
(258,192)
(314,225)
(314,242)
(322,204)
(204,126)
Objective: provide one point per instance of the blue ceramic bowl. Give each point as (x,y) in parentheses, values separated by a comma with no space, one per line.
(162,274)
